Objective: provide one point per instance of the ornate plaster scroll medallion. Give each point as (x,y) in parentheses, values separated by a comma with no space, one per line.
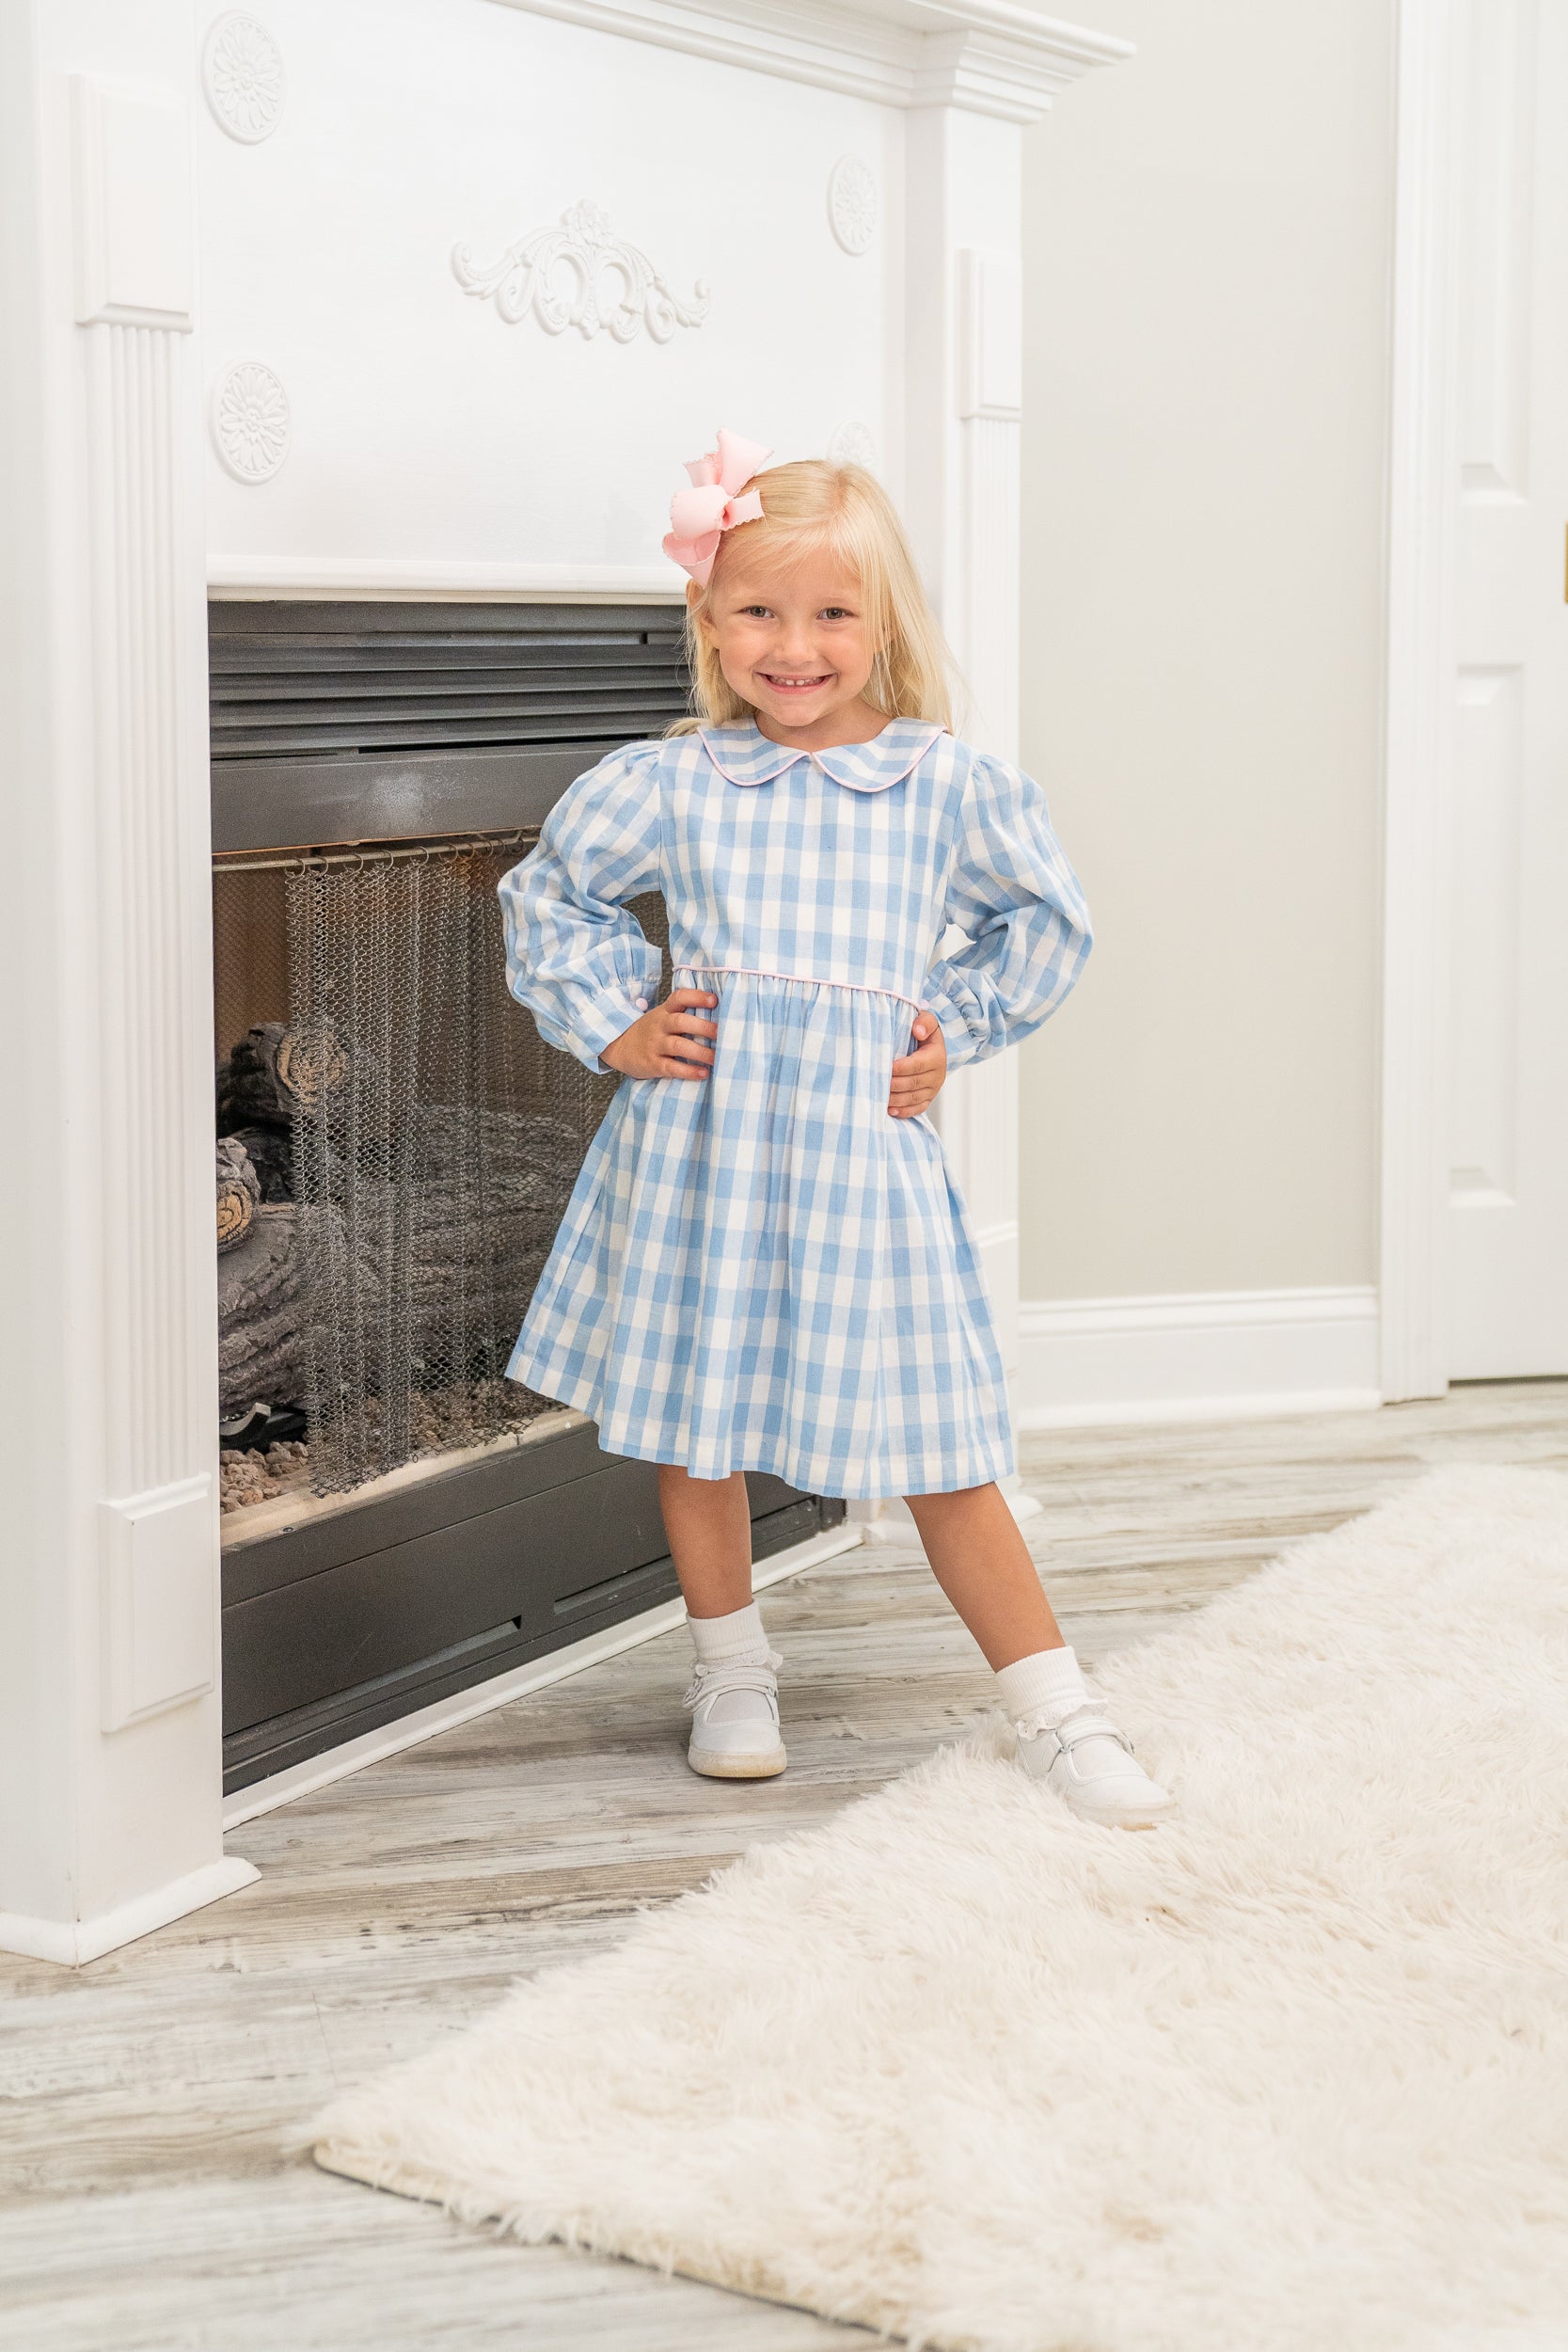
(579,273)
(854,204)
(250,421)
(242,72)
(853,444)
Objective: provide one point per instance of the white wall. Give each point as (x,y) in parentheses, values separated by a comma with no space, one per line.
(1206,284)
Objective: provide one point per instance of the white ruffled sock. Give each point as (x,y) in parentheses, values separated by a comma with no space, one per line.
(1048,1687)
(736,1640)
(1097,1776)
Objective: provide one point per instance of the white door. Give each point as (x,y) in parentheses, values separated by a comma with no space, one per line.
(1508,1083)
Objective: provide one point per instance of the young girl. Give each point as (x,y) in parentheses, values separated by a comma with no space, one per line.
(764,1263)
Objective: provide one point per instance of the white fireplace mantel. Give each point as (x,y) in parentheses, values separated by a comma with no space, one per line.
(985,55)
(149,253)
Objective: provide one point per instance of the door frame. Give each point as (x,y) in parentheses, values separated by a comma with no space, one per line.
(1419,704)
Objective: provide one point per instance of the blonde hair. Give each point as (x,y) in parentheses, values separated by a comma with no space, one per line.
(813,505)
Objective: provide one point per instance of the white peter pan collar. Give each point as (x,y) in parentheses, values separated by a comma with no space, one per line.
(743,754)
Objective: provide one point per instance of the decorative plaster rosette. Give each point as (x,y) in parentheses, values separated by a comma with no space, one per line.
(855,203)
(579,273)
(854,444)
(250,421)
(242,72)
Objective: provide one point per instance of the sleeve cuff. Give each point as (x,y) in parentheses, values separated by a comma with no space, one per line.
(959,1039)
(604,1020)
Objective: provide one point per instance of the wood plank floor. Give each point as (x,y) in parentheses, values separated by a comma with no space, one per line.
(154,2196)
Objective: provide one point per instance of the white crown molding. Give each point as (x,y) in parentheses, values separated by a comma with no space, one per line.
(244,578)
(990,57)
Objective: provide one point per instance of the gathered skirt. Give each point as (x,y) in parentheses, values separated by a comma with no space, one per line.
(763,1270)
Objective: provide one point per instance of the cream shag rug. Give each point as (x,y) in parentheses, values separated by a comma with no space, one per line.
(1292,2075)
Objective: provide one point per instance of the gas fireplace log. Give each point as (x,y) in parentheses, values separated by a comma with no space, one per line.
(425,1275)
(263,1362)
(265,1270)
(273,1070)
(261,1357)
(271,1154)
(239,1193)
(508,1145)
(455,1187)
(264,1288)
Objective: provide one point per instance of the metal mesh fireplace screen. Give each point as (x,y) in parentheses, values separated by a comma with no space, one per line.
(397,1145)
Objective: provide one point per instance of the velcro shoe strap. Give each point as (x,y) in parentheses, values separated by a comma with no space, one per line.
(1088,1723)
(711,1682)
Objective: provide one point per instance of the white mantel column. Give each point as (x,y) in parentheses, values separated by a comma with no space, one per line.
(109,1723)
(964,401)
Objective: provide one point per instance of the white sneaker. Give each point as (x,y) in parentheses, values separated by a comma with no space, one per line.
(734,1721)
(1092,1765)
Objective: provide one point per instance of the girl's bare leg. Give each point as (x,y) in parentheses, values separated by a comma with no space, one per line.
(734,1696)
(982,1564)
(707,1522)
(1065,1739)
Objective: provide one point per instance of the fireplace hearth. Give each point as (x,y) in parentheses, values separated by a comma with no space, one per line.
(396,1147)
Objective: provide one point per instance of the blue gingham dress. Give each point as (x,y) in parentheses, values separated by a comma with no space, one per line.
(762,1269)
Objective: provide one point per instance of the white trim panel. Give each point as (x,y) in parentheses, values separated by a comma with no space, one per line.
(1419,699)
(159,1600)
(1196,1356)
(133,243)
(317,1772)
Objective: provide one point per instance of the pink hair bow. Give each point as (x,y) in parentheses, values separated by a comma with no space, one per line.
(713,504)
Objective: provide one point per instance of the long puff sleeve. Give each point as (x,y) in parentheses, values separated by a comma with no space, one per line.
(574,956)
(1016,894)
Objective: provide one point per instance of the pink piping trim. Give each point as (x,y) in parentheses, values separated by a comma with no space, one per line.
(788,761)
(809,979)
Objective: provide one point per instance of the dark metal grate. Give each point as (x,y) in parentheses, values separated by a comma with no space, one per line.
(291,679)
(337,722)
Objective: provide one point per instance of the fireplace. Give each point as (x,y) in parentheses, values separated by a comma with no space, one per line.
(395,1148)
(309,346)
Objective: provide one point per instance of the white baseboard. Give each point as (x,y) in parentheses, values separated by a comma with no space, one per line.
(299,1780)
(74,1942)
(1198,1356)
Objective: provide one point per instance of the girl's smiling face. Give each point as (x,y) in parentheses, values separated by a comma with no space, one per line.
(793,642)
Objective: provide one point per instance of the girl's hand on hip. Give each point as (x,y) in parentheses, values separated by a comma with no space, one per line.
(917,1076)
(671,1040)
